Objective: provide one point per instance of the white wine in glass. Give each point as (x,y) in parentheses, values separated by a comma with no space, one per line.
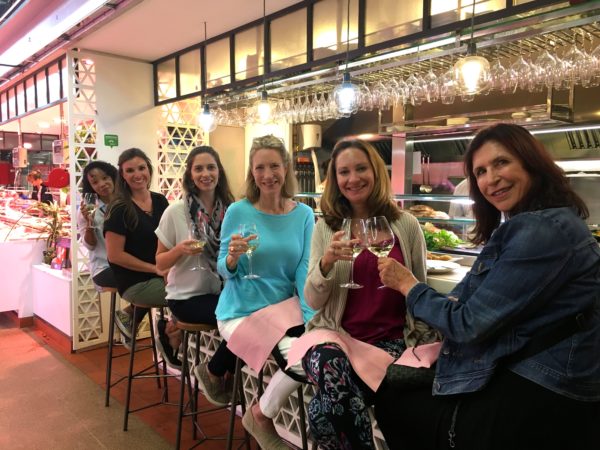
(354,229)
(197,233)
(90,200)
(380,237)
(246,230)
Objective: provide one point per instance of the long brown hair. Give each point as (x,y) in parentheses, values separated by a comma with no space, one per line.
(270,142)
(335,206)
(550,187)
(222,190)
(123,191)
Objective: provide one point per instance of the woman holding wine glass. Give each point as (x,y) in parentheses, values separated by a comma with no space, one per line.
(279,264)
(97,184)
(193,286)
(359,190)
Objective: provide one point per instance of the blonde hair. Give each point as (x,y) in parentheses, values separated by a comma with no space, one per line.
(270,142)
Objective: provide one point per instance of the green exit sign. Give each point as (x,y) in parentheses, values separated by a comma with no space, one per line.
(111,140)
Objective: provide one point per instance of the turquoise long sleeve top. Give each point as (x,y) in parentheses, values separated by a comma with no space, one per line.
(281,260)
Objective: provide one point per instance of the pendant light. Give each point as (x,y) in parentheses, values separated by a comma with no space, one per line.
(472,72)
(345,95)
(206,119)
(263,106)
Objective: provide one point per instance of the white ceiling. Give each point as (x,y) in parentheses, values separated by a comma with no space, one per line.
(156,28)
(148,30)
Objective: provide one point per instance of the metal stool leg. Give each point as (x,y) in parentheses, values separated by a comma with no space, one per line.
(185,376)
(237,391)
(109,355)
(130,373)
(302,418)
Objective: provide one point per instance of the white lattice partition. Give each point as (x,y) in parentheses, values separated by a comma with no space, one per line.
(81,100)
(178,134)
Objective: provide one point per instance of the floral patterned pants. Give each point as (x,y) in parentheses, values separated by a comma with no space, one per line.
(338,414)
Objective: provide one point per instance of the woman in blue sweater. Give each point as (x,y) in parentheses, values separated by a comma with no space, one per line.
(284,229)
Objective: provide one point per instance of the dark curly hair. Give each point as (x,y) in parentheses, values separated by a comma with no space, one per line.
(105,167)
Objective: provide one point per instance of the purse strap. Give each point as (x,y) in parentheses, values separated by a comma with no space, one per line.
(552,335)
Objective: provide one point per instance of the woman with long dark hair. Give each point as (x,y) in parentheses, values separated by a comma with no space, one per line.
(193,285)
(519,364)
(131,245)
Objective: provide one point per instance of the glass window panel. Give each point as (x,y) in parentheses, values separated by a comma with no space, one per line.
(217,63)
(521,2)
(190,72)
(288,40)
(166,80)
(47,140)
(4,106)
(54,82)
(449,11)
(11,140)
(386,21)
(12,111)
(249,53)
(64,75)
(32,139)
(42,89)
(20,98)
(330,27)
(30,93)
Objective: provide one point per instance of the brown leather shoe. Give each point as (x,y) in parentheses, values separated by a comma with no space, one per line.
(266,440)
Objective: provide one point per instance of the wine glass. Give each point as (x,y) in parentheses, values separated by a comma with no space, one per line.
(197,233)
(380,237)
(90,202)
(246,230)
(354,230)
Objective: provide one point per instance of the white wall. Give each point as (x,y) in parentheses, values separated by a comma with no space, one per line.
(125,103)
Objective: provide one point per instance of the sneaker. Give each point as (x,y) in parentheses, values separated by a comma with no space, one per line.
(124,323)
(266,439)
(126,342)
(164,348)
(214,391)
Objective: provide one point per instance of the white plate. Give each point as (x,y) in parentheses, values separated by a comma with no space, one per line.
(439,267)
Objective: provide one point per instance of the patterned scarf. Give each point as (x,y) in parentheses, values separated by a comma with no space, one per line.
(213,226)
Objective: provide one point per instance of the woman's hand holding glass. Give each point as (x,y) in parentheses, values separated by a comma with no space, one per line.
(394,275)
(89,205)
(246,242)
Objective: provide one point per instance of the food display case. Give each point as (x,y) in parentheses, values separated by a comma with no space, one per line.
(25,227)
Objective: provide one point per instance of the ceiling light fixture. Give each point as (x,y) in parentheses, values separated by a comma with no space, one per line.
(472,72)
(206,119)
(346,94)
(263,106)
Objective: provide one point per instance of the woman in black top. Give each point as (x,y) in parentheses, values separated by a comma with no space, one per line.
(40,190)
(131,244)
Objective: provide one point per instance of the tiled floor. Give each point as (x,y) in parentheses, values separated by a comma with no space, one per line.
(55,400)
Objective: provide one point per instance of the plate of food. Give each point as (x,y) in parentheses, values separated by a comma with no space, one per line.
(434,256)
(440,267)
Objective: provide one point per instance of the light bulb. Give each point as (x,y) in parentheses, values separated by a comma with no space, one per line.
(263,108)
(207,119)
(345,96)
(472,73)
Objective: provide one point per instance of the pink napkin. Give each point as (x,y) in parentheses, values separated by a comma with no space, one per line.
(426,355)
(369,362)
(254,339)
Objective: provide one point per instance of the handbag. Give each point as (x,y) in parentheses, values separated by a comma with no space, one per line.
(404,378)
(411,371)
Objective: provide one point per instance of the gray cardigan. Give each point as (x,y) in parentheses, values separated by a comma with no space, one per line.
(325,295)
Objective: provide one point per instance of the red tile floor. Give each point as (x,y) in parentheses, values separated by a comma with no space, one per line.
(163,419)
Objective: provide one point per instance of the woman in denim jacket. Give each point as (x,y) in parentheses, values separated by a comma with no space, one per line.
(538,269)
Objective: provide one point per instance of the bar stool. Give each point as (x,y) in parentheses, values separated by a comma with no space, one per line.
(143,374)
(197,328)
(111,337)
